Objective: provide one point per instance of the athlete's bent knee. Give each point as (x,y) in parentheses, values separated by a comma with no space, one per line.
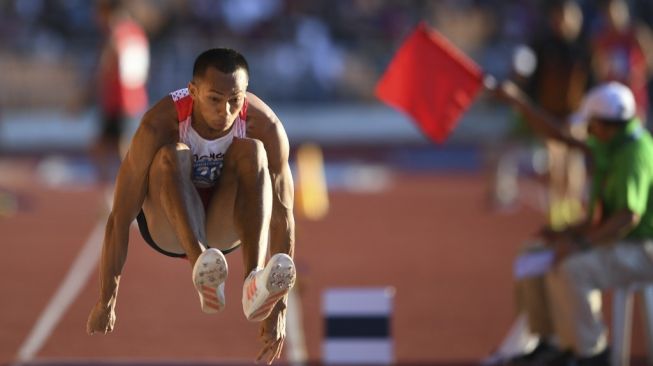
(251,155)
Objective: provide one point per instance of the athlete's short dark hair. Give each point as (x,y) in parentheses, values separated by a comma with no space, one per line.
(223,59)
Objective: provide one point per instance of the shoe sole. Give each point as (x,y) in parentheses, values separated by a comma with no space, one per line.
(280,280)
(209,273)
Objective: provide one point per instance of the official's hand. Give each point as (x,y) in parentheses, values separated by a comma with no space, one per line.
(273,333)
(506,91)
(101,319)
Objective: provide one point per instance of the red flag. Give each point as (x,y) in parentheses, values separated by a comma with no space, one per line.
(432,81)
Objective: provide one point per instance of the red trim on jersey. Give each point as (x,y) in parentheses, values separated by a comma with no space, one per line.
(243,112)
(184,108)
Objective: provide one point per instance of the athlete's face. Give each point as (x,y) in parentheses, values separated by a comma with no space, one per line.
(219,97)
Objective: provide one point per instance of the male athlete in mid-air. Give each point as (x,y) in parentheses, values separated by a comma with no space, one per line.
(206,171)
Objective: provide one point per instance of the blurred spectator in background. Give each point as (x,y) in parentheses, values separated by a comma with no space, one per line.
(623,51)
(517,152)
(121,76)
(8,200)
(554,69)
(518,149)
(556,82)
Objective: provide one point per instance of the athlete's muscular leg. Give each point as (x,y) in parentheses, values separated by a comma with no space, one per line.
(242,205)
(172,206)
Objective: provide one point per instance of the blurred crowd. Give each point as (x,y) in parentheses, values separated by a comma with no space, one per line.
(299,50)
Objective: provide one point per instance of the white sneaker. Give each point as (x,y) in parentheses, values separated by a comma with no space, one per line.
(263,288)
(209,273)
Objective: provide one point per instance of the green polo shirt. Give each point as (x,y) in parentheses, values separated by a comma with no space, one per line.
(623,176)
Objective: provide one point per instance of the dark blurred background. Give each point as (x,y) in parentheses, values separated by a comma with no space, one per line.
(318,52)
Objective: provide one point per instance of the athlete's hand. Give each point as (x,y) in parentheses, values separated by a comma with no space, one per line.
(101,319)
(273,333)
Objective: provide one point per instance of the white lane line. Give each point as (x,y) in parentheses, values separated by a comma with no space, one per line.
(68,291)
(296,352)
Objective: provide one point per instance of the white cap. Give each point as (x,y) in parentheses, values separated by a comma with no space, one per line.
(610,101)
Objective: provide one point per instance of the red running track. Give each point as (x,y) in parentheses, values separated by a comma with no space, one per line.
(430,236)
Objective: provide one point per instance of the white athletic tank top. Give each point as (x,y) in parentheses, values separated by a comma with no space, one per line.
(208,155)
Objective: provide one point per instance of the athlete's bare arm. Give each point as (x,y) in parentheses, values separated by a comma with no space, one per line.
(157,128)
(263,124)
